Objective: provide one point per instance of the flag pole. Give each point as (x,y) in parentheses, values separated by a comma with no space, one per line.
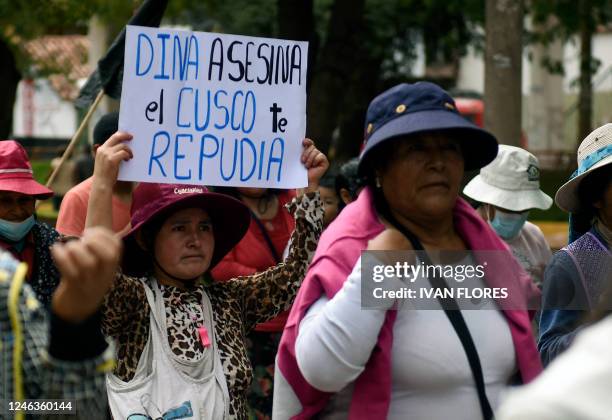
(78,133)
(74,139)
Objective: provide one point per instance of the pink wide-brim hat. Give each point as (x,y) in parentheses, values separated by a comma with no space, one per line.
(151,201)
(16,173)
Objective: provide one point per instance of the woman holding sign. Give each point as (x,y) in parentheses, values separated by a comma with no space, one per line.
(338,360)
(180,337)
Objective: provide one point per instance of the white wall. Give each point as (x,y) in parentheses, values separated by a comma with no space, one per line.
(52,116)
(471,71)
(602,50)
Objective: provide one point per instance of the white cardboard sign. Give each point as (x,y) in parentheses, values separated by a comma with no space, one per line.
(213,109)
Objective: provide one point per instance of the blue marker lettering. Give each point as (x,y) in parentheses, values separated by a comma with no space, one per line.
(182,58)
(193,47)
(180,104)
(278,160)
(163,75)
(155,157)
(227,178)
(253,103)
(178,156)
(196,113)
(242,153)
(220,126)
(261,157)
(206,155)
(140,38)
(239,92)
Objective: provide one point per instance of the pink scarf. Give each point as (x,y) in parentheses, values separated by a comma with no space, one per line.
(337,252)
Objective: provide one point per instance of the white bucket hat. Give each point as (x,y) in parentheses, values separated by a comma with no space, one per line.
(511,182)
(594,152)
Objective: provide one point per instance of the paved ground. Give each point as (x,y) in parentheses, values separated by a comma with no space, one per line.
(555,232)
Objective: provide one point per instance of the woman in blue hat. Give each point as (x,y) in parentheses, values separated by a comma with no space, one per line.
(578,274)
(337,360)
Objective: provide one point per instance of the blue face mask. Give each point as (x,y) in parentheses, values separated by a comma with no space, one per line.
(508,225)
(15,232)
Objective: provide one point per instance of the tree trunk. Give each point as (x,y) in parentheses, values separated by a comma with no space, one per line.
(503,65)
(9,79)
(296,22)
(585,100)
(361,91)
(335,67)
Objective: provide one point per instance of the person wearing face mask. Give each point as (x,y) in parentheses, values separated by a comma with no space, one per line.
(508,188)
(27,239)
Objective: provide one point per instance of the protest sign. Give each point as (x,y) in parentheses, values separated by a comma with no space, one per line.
(213,109)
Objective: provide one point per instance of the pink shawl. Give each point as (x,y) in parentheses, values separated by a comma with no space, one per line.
(338,251)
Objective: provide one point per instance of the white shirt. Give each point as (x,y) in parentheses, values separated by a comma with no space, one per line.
(576,385)
(431,378)
(532,251)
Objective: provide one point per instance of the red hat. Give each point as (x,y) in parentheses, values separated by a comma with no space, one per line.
(16,173)
(150,201)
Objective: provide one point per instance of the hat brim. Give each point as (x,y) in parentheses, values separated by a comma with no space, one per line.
(26,186)
(567,195)
(513,200)
(479,146)
(230,220)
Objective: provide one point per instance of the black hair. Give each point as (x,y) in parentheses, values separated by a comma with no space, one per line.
(349,179)
(148,233)
(105,127)
(233,191)
(592,188)
(378,159)
(328,180)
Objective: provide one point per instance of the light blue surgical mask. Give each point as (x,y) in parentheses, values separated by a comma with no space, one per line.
(16,231)
(508,225)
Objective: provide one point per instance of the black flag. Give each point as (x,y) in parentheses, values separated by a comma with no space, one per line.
(109,74)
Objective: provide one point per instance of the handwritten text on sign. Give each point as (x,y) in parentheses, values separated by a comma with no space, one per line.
(213,109)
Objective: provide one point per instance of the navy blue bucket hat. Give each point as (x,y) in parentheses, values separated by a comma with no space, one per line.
(409,109)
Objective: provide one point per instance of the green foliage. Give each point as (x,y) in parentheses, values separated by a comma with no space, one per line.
(245,17)
(565,16)
(25,19)
(560,19)
(22,20)
(550,181)
(42,170)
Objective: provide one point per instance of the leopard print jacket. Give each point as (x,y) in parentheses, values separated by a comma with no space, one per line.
(238,306)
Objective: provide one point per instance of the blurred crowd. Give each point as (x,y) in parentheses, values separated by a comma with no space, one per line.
(151,300)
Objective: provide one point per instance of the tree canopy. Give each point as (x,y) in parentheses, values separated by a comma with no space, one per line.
(357,47)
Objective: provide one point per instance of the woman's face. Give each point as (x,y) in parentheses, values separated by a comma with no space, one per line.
(184,245)
(423,176)
(16,207)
